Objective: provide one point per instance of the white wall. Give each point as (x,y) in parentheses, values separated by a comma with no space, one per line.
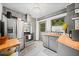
(37,30)
(0,10)
(28,18)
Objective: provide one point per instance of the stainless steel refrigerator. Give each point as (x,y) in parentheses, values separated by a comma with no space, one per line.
(20,32)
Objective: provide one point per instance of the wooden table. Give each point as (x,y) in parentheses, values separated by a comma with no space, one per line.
(9,43)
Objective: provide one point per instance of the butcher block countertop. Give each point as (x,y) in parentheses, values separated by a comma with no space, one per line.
(9,43)
(54,34)
(64,39)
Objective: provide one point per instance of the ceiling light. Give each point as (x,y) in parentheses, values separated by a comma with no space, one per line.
(35,11)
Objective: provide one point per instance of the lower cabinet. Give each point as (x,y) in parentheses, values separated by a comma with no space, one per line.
(45,41)
(64,50)
(52,43)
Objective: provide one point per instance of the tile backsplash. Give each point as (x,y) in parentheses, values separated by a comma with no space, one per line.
(57,29)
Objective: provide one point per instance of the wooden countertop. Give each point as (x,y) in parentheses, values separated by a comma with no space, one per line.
(54,34)
(64,39)
(9,43)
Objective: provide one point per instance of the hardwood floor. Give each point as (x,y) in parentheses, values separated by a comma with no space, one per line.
(37,49)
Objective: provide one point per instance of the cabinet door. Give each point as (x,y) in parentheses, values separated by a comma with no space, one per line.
(53,45)
(45,41)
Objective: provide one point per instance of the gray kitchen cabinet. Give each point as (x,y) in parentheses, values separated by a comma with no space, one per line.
(52,43)
(45,41)
(64,50)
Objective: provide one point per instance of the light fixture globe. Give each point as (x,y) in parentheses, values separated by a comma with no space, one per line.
(35,12)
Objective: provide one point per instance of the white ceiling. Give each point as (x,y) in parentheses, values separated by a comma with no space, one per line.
(44,8)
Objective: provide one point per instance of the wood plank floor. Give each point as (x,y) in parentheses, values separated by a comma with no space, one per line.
(37,49)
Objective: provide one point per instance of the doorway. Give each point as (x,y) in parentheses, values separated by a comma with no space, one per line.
(42,29)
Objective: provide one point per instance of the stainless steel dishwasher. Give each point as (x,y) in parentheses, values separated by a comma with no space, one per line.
(52,43)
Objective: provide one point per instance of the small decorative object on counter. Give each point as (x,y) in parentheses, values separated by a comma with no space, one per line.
(65,26)
(70,34)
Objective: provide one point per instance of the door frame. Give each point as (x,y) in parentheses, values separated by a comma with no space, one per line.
(38,29)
